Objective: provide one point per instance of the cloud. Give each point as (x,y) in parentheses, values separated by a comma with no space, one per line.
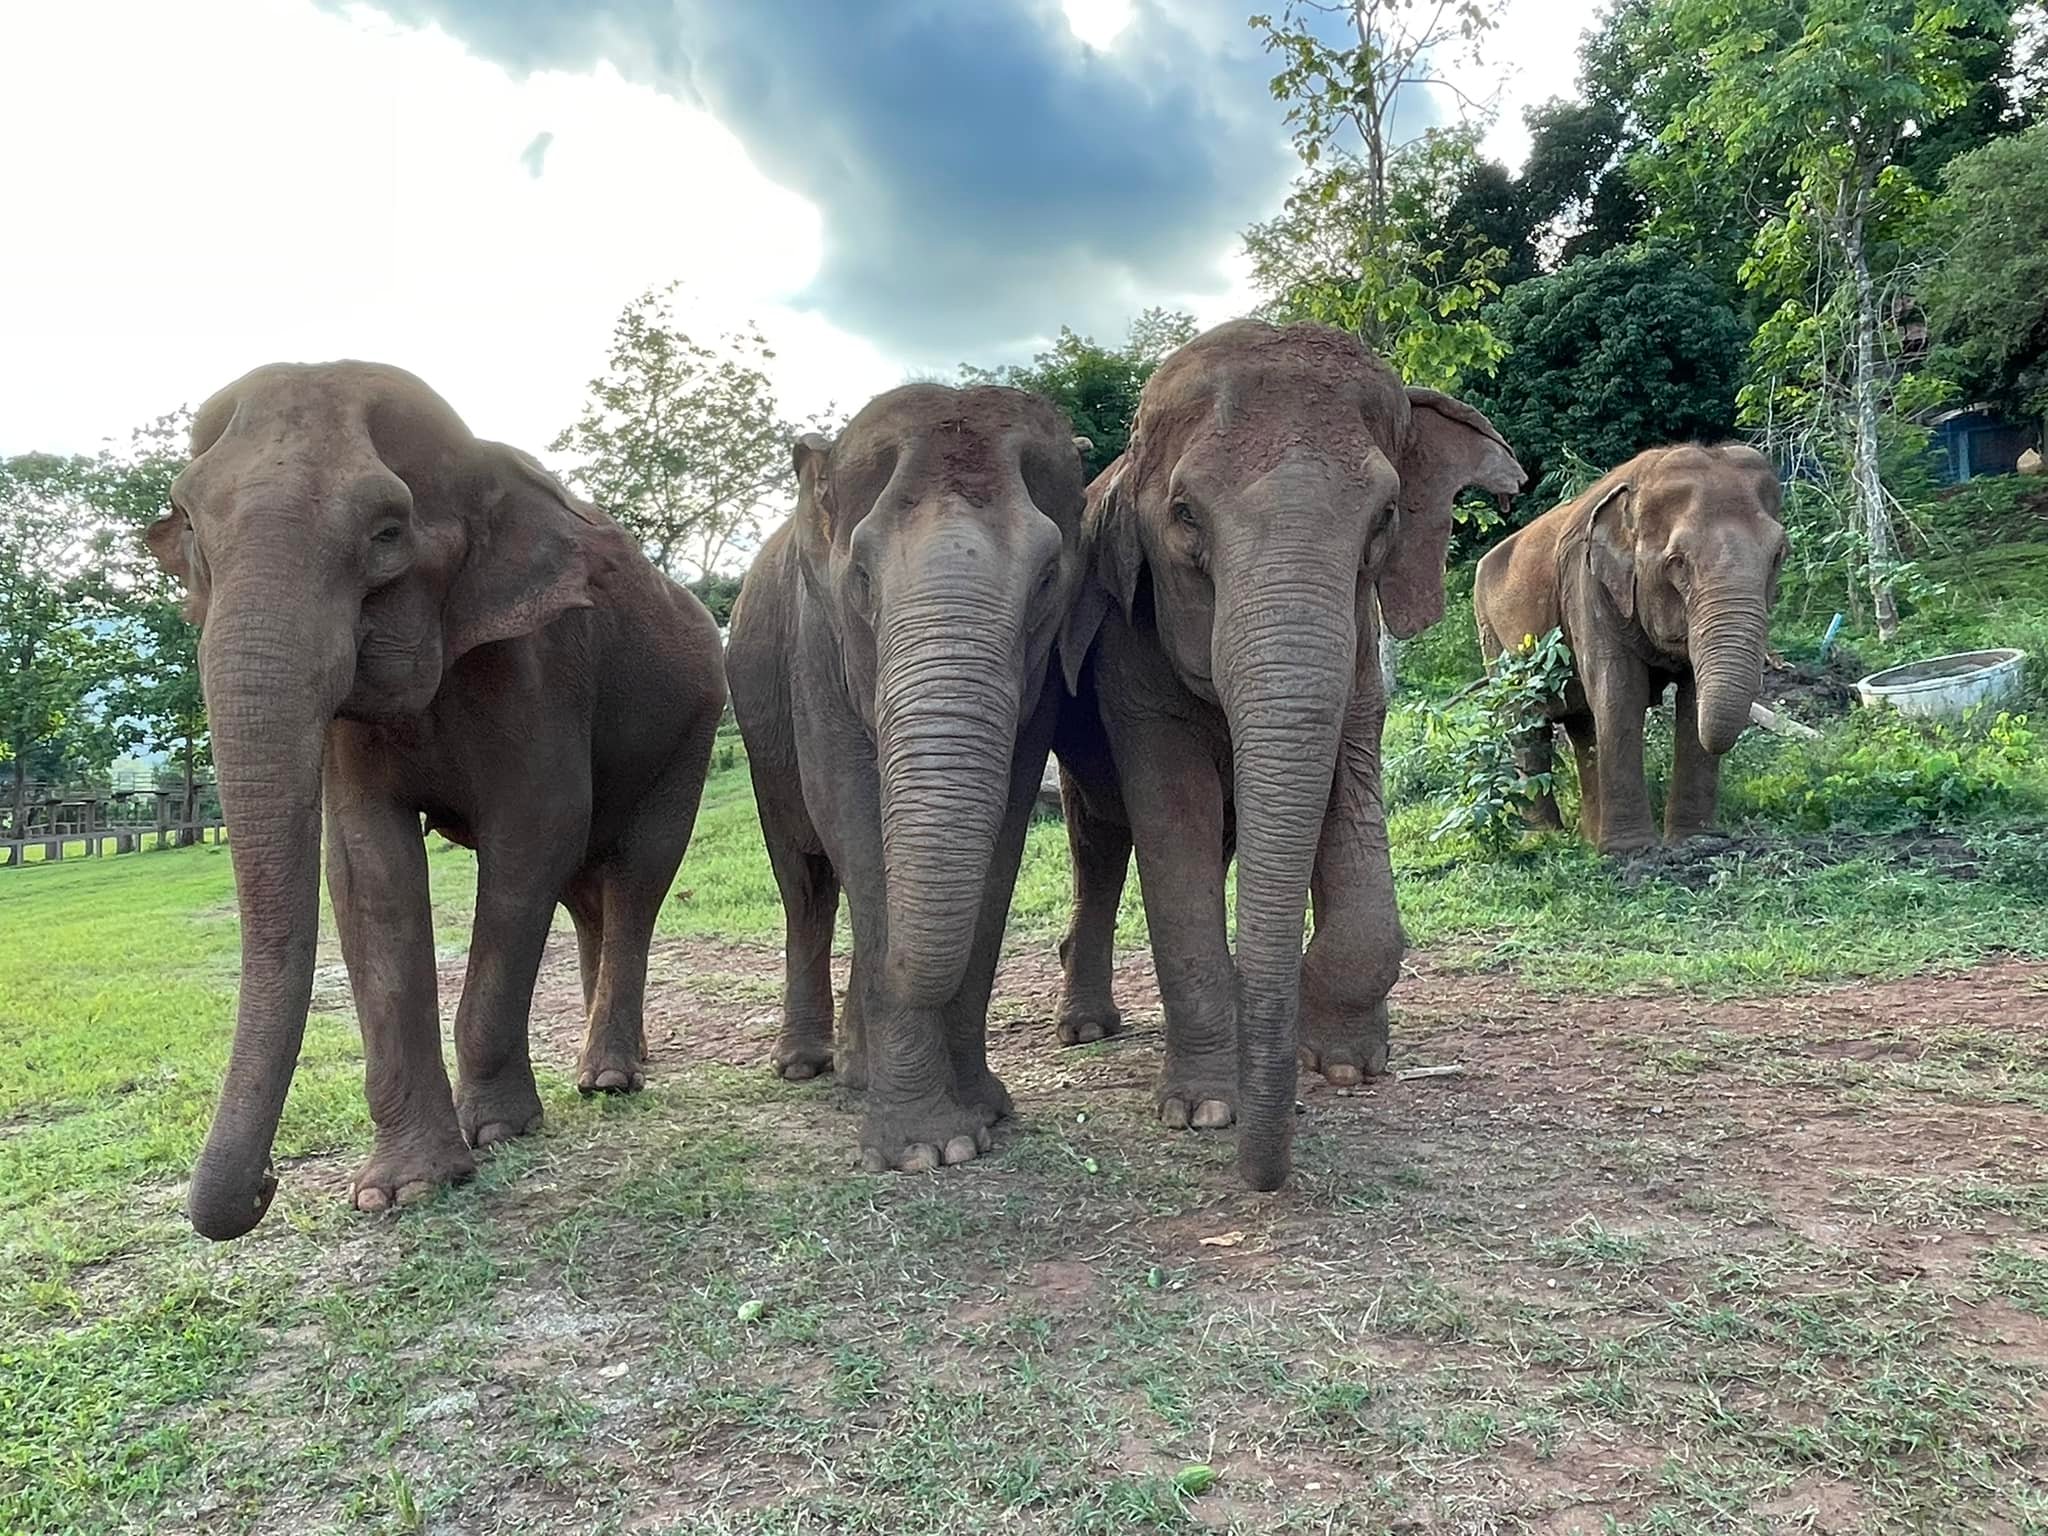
(534,156)
(982,173)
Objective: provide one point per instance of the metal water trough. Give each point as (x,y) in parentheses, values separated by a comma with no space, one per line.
(1943,687)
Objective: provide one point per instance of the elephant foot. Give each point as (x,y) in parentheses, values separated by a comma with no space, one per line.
(1622,845)
(988,1099)
(496,1111)
(1199,1094)
(923,1135)
(609,1067)
(799,1058)
(1346,1051)
(1084,1024)
(405,1169)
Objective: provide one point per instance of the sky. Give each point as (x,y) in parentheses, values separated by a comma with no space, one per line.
(472,189)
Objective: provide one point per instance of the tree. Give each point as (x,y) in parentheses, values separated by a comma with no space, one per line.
(52,654)
(683,443)
(1353,245)
(1986,298)
(154,693)
(1824,96)
(1096,386)
(1609,356)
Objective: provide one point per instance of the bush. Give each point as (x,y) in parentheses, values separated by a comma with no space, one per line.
(1883,772)
(1469,742)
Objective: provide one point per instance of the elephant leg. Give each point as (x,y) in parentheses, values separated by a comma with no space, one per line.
(850,1050)
(1175,800)
(914,1119)
(523,869)
(1535,753)
(584,897)
(1695,772)
(377,878)
(638,872)
(967,1016)
(1586,754)
(1101,853)
(1354,958)
(809,887)
(1618,690)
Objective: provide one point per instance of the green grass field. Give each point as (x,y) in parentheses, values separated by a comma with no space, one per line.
(1685,1246)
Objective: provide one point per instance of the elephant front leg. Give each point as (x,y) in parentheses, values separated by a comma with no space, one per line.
(496,1097)
(1174,795)
(1354,958)
(1695,772)
(1586,756)
(1101,852)
(377,878)
(1618,690)
(1535,754)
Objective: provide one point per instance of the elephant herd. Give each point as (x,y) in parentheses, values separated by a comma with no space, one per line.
(414,628)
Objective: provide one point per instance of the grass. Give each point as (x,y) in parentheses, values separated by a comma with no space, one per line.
(1649,1266)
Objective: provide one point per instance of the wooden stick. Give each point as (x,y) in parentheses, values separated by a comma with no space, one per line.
(1784,725)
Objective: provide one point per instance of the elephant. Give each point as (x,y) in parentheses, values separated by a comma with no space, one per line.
(1664,571)
(1282,494)
(410,622)
(890,652)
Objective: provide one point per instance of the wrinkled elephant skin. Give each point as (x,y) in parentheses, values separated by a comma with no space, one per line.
(1280,495)
(409,623)
(890,654)
(1663,572)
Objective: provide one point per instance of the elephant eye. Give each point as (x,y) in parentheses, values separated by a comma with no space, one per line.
(389,534)
(1184,514)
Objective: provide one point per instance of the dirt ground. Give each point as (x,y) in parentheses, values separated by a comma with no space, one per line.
(1620,1264)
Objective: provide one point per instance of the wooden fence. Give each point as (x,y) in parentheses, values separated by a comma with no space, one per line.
(124,821)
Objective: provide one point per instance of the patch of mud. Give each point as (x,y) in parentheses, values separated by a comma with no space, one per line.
(1811,691)
(1702,861)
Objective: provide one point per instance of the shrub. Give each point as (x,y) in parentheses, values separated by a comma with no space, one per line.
(1471,740)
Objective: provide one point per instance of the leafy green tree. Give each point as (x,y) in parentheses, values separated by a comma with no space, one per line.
(685,444)
(1987,296)
(53,649)
(1822,98)
(1609,356)
(1097,386)
(1359,242)
(153,696)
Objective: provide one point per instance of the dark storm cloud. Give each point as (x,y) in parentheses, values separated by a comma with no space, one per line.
(982,174)
(535,156)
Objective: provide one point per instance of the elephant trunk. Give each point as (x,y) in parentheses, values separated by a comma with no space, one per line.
(1726,641)
(946,726)
(271,683)
(1285,654)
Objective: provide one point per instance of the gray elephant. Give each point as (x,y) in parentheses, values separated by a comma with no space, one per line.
(1663,572)
(1223,657)
(416,623)
(889,657)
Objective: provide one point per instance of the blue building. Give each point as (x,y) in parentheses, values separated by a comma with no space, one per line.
(1975,440)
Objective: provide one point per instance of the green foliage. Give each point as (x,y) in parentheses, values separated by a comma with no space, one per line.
(1607,357)
(685,444)
(1882,771)
(1361,242)
(1987,298)
(1474,736)
(718,592)
(1096,386)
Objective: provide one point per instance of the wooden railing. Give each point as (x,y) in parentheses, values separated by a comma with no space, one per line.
(127,821)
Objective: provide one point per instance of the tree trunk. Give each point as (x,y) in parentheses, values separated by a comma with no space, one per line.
(20,827)
(1877,522)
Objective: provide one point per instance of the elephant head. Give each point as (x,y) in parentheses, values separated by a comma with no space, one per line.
(343,541)
(1687,544)
(940,534)
(1277,479)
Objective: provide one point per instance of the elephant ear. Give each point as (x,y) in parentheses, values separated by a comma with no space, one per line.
(534,552)
(809,458)
(176,548)
(1450,446)
(1611,545)
(1112,560)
